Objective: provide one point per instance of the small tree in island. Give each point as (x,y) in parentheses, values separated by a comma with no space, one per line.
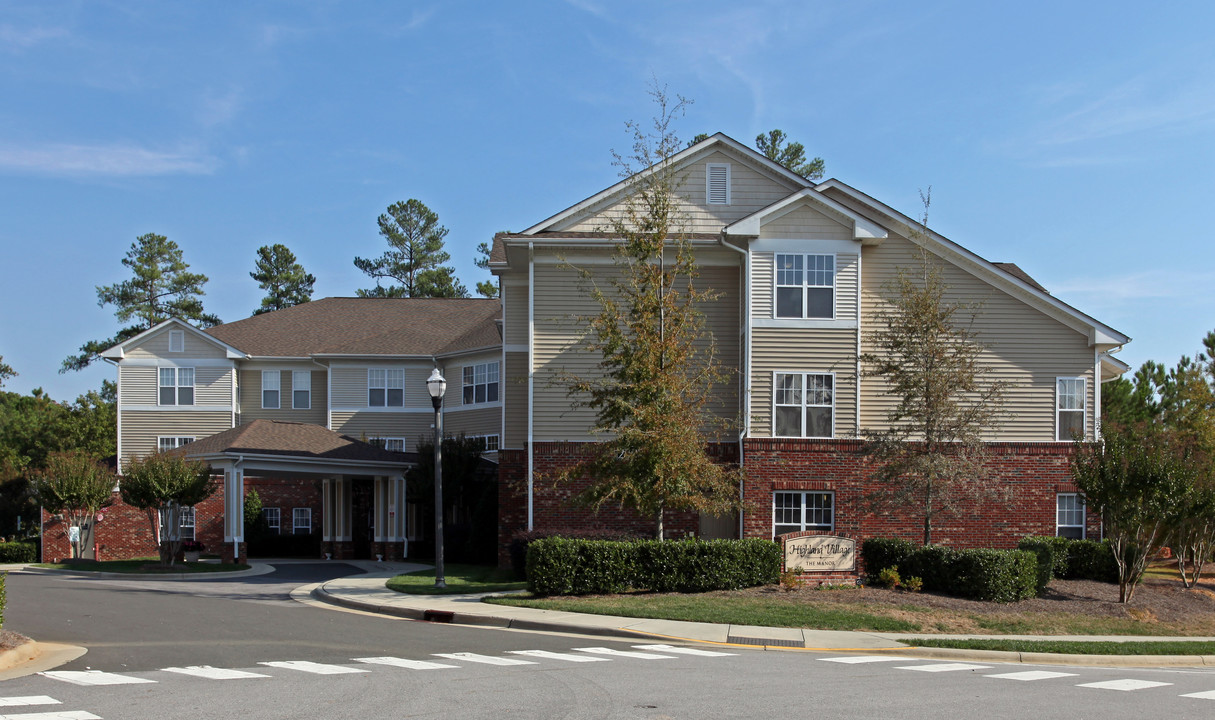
(654,379)
(76,486)
(161,485)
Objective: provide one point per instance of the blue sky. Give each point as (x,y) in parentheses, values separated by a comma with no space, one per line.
(1074,139)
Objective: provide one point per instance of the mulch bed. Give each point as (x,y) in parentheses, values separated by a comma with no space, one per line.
(10,640)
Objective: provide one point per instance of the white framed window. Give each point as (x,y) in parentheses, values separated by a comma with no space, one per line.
(301,390)
(481,383)
(1070,414)
(385,387)
(717,183)
(805,286)
(1069,516)
(187,523)
(392,444)
(803,405)
(797,511)
(169,442)
(491,442)
(273,518)
(301,521)
(176,385)
(271,389)
(177,341)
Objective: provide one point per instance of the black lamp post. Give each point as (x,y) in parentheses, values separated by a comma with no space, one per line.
(437,387)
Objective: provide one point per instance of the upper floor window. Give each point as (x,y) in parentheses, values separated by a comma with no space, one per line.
(797,511)
(177,341)
(490,443)
(481,383)
(386,387)
(1069,516)
(717,183)
(164,443)
(301,390)
(271,385)
(804,405)
(805,286)
(176,386)
(392,444)
(1069,408)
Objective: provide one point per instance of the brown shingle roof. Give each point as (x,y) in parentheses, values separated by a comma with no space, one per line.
(1014,270)
(372,326)
(275,437)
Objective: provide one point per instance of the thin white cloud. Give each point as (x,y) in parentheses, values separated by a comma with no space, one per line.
(589,7)
(15,39)
(218,108)
(1135,287)
(1133,107)
(103,161)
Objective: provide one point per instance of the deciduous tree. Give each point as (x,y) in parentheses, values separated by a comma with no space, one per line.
(161,485)
(415,256)
(162,287)
(282,277)
(76,486)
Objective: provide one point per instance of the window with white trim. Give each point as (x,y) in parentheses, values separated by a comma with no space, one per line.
(1069,408)
(1069,516)
(167,442)
(301,389)
(386,387)
(717,183)
(803,405)
(797,511)
(273,518)
(177,341)
(392,444)
(481,383)
(491,442)
(805,286)
(187,523)
(176,386)
(301,521)
(271,389)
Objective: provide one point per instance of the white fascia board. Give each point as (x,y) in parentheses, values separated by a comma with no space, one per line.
(1112,368)
(119,351)
(717,141)
(1098,332)
(255,461)
(862,228)
(365,356)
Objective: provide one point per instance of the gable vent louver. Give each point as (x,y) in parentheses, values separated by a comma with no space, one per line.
(718,183)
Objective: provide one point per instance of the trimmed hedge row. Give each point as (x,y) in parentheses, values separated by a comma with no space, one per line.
(568,566)
(980,574)
(18,552)
(1073,559)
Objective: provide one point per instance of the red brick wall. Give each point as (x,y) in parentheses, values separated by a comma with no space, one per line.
(286,494)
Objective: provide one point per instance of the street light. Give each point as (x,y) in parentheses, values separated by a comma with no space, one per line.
(437,387)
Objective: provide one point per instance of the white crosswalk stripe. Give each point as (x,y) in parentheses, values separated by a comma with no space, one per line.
(568,657)
(483,659)
(624,653)
(54,715)
(213,673)
(28,700)
(407,664)
(1124,685)
(1205,695)
(684,650)
(945,667)
(313,667)
(93,677)
(857,659)
(1027,675)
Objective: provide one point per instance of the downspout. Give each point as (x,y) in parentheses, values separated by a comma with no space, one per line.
(745,431)
(1096,394)
(531,380)
(859,280)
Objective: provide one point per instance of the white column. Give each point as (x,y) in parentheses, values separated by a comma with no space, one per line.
(327,510)
(234,505)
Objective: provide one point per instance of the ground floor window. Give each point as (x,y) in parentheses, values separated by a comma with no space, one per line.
(1069,516)
(187,523)
(301,521)
(796,511)
(273,518)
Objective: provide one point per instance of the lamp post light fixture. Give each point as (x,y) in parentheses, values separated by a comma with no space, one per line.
(437,387)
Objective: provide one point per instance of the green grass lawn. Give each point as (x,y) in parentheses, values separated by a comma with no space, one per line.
(460,579)
(770,612)
(1075,647)
(146,565)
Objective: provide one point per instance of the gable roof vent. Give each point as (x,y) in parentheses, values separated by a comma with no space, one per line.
(717,188)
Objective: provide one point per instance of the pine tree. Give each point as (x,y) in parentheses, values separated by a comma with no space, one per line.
(6,371)
(485,288)
(415,256)
(284,280)
(791,155)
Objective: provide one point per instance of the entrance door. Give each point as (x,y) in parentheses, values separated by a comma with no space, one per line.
(362,525)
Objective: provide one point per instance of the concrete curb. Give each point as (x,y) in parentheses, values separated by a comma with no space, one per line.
(254,569)
(21,654)
(34,657)
(1037,658)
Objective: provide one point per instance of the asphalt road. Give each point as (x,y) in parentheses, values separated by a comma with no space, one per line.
(137,630)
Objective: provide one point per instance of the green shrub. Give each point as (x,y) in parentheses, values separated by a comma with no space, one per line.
(522,539)
(932,564)
(1051,555)
(18,552)
(913,584)
(889,577)
(994,575)
(880,553)
(1091,560)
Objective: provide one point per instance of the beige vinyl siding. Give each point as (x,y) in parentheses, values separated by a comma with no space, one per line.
(482,421)
(350,385)
(515,304)
(803,223)
(763,284)
(803,350)
(750,190)
(156,345)
(140,428)
(366,425)
(562,306)
(846,279)
(141,384)
(250,388)
(514,391)
(1027,348)
(763,289)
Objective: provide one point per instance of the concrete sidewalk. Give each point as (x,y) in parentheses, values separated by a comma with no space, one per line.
(368,593)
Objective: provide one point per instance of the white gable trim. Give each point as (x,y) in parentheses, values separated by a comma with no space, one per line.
(1098,333)
(863,229)
(119,351)
(719,141)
